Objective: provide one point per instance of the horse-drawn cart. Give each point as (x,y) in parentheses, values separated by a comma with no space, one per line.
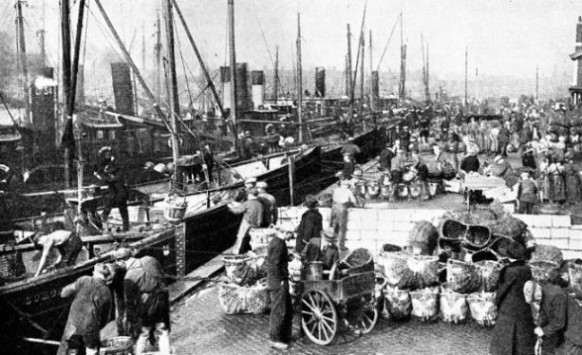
(328,305)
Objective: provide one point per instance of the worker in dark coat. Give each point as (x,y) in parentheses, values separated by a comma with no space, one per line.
(311,224)
(280,319)
(146,300)
(208,157)
(514,332)
(386,156)
(108,172)
(552,317)
(89,311)
(270,211)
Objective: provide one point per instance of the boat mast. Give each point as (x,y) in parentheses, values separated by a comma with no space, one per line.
(362,45)
(200,60)
(158,50)
(349,74)
(173,99)
(66,67)
(276,83)
(427,75)
(70,106)
(424,70)
(233,78)
(299,81)
(41,33)
(537,82)
(466,74)
(23,64)
(402,62)
(372,103)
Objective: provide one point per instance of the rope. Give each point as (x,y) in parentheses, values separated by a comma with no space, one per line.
(398,18)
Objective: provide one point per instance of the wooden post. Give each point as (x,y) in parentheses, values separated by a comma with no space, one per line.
(349,70)
(233,79)
(180,234)
(291,160)
(66,64)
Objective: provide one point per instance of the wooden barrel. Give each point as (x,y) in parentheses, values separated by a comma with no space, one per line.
(260,238)
(120,345)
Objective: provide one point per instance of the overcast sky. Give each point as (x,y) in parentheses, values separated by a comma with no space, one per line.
(503,37)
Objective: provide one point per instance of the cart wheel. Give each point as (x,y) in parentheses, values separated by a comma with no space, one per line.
(319,318)
(369,317)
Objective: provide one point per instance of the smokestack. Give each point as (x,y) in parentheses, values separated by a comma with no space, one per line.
(122,88)
(43,95)
(375,86)
(319,82)
(242,89)
(258,88)
(225,80)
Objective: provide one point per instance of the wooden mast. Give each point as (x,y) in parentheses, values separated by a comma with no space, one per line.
(402,62)
(23,61)
(299,80)
(233,79)
(158,50)
(66,65)
(349,73)
(276,83)
(199,57)
(372,103)
(173,99)
(362,45)
(466,74)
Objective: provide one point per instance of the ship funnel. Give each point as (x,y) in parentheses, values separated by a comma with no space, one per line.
(122,88)
(319,82)
(258,88)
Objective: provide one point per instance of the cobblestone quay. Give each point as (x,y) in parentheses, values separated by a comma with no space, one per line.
(199,326)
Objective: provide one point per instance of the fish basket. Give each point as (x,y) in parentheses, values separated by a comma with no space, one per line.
(241,269)
(452,230)
(453,306)
(373,189)
(361,188)
(396,270)
(415,190)
(484,254)
(424,233)
(477,237)
(433,188)
(425,270)
(295,267)
(541,270)
(402,190)
(174,214)
(489,273)
(462,277)
(425,303)
(358,260)
(120,345)
(483,308)
(386,191)
(547,252)
(397,303)
(260,238)
(12,267)
(235,299)
(500,245)
(575,279)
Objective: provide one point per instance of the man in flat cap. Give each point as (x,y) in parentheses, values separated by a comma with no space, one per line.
(108,172)
(310,225)
(253,211)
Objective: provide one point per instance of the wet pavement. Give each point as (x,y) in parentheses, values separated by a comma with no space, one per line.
(199,326)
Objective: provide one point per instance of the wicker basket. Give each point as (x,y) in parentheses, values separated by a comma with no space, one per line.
(373,189)
(425,303)
(483,308)
(453,230)
(174,214)
(235,299)
(462,277)
(358,260)
(120,345)
(398,304)
(241,269)
(489,273)
(477,237)
(260,238)
(425,270)
(396,271)
(453,306)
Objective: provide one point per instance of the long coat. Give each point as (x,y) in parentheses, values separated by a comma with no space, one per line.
(310,227)
(514,332)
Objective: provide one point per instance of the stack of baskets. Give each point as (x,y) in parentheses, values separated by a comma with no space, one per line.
(245,290)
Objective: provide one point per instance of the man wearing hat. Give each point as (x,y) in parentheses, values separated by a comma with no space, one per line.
(514,330)
(108,172)
(324,250)
(253,211)
(269,204)
(281,316)
(342,199)
(89,311)
(311,224)
(386,157)
(146,300)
